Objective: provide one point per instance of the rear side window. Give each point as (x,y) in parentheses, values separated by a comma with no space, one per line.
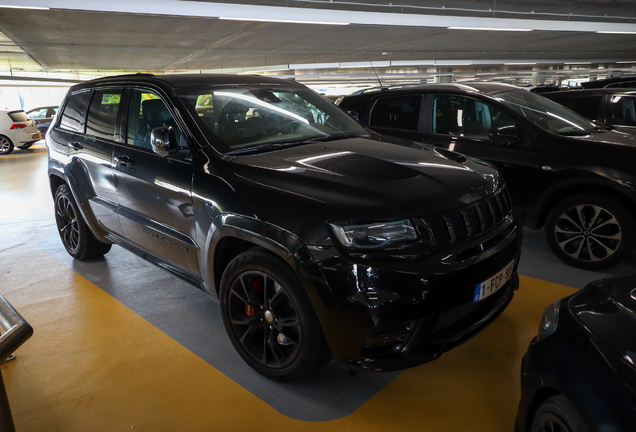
(38,113)
(397,113)
(72,116)
(18,116)
(102,114)
(623,110)
(586,106)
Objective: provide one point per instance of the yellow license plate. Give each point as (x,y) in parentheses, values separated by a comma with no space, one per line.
(36,136)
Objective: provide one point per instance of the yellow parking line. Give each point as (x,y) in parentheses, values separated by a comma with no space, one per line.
(39,151)
(94,364)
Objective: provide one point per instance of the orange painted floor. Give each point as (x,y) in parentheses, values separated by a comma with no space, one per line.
(93,364)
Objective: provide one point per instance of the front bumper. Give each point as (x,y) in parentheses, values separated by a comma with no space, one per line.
(394,315)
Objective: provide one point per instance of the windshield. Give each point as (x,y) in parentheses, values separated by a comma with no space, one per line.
(240,119)
(545,113)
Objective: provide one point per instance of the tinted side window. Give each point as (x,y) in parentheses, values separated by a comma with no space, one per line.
(623,110)
(72,116)
(397,113)
(102,114)
(147,111)
(458,115)
(586,106)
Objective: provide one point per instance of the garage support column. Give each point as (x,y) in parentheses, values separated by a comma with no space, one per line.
(538,78)
(443,78)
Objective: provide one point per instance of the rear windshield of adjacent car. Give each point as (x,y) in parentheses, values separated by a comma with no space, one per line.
(18,116)
(72,116)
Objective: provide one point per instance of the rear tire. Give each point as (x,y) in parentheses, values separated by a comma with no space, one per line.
(557,414)
(6,146)
(269,317)
(76,237)
(590,231)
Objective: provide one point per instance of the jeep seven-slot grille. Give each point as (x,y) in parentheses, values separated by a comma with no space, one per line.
(469,221)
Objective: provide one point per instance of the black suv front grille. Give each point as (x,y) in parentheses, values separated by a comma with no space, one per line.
(467,222)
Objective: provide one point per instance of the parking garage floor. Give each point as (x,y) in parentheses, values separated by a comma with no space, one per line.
(120,344)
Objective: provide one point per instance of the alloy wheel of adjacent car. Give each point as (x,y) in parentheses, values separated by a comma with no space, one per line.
(6,146)
(269,318)
(74,233)
(589,231)
(556,414)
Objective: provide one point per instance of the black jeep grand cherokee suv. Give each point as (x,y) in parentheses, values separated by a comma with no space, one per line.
(319,238)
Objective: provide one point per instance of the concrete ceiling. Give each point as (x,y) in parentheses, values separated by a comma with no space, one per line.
(404,40)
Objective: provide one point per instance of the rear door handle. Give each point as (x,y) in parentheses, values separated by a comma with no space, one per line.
(76,146)
(124,160)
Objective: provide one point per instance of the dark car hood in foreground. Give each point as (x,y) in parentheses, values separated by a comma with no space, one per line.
(607,308)
(368,179)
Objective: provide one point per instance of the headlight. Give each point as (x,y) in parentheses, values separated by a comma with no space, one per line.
(374,236)
(549,321)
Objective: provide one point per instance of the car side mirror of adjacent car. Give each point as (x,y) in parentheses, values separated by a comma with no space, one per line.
(505,135)
(354,115)
(163,140)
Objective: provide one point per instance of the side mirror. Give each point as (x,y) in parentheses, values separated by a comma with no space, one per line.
(354,115)
(504,135)
(163,140)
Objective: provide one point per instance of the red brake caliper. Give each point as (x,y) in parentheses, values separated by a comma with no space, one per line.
(257,285)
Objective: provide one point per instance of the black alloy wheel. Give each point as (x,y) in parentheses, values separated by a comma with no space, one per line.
(589,231)
(556,414)
(269,317)
(76,237)
(6,146)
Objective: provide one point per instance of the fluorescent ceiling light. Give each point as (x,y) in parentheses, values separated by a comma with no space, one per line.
(283,21)
(577,63)
(631,61)
(617,32)
(491,29)
(487,73)
(520,63)
(23,7)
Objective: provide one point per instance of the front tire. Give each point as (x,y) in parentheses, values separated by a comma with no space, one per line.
(76,237)
(269,317)
(590,231)
(557,414)
(6,146)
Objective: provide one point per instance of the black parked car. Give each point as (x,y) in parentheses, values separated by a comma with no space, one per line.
(578,374)
(565,173)
(613,107)
(615,82)
(318,237)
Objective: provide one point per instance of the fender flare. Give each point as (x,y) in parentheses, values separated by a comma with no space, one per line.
(275,239)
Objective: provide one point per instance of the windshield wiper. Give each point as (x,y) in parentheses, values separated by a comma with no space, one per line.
(575,132)
(333,137)
(265,148)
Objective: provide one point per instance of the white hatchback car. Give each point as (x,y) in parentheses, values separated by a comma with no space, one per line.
(16,130)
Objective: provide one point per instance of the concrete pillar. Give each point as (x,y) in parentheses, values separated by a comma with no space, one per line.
(538,78)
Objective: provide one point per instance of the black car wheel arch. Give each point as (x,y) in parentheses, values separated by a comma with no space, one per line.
(269,317)
(76,237)
(589,231)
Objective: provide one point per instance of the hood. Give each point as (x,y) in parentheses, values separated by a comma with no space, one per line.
(369,180)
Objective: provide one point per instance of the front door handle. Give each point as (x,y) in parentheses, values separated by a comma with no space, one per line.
(124,160)
(76,146)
